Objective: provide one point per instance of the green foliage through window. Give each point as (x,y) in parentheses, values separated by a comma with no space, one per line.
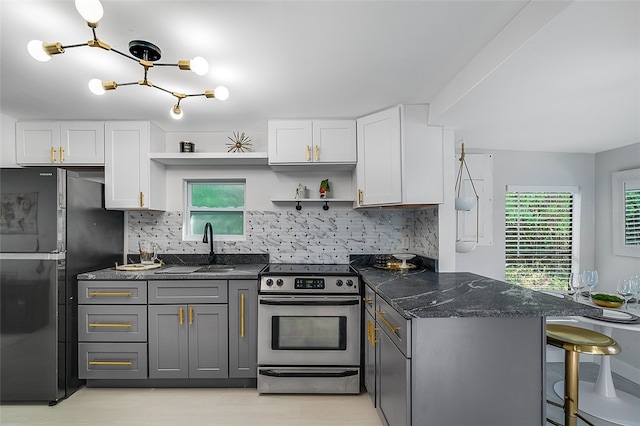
(219,202)
(539,239)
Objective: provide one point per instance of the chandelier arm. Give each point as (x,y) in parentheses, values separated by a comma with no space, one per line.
(125,55)
(75,45)
(160,88)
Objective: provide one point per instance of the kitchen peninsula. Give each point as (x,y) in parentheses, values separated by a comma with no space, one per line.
(456,348)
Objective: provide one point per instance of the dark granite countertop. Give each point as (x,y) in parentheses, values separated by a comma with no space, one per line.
(421,293)
(239,272)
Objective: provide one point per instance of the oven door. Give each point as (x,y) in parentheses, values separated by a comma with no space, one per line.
(309,330)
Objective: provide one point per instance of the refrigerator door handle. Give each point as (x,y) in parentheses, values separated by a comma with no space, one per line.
(33,256)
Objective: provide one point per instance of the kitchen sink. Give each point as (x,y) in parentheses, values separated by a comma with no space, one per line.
(214,269)
(196,269)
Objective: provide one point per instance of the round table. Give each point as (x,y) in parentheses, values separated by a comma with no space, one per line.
(600,399)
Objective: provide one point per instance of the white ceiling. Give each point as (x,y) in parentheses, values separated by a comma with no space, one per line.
(539,75)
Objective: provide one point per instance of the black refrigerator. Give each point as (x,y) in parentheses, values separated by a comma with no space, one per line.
(53,226)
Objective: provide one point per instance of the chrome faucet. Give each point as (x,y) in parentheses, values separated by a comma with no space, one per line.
(208,238)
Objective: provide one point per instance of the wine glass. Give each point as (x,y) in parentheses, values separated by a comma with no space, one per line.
(576,285)
(626,289)
(590,278)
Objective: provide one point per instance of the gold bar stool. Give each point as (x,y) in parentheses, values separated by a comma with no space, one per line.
(574,341)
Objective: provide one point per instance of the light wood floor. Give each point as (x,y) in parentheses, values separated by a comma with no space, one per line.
(197,407)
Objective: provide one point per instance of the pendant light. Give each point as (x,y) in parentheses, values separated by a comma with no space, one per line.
(464,204)
(143,52)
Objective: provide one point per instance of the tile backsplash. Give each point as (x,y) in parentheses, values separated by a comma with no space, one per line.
(301,236)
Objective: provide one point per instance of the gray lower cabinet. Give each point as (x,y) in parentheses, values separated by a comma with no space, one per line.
(455,371)
(168,329)
(112,330)
(392,365)
(189,339)
(370,331)
(243,328)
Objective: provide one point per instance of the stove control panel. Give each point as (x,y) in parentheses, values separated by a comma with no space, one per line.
(310,284)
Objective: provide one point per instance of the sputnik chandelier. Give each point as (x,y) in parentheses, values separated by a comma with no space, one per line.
(145,53)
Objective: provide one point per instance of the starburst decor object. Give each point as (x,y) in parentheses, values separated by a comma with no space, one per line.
(241,143)
(144,52)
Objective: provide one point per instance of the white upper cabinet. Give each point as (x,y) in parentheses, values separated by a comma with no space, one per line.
(79,143)
(296,142)
(132,180)
(399,158)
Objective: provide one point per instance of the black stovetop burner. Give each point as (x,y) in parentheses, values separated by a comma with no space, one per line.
(308,269)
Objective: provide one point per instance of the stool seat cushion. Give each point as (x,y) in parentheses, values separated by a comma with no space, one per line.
(581,340)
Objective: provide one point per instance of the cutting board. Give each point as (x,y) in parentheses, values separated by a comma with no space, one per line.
(137,267)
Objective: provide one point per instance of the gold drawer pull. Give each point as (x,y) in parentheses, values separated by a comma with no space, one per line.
(308,151)
(317,153)
(180,316)
(371,333)
(110,363)
(53,155)
(368,301)
(111,293)
(61,154)
(359,197)
(190,315)
(387,323)
(241,314)
(100,324)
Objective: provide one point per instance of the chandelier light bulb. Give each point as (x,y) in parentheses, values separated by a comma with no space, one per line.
(96,87)
(90,10)
(199,65)
(176,112)
(37,52)
(221,93)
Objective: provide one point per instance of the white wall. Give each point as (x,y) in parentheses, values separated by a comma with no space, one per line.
(7,141)
(611,267)
(533,168)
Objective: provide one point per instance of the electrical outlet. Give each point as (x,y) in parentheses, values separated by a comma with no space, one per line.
(406,242)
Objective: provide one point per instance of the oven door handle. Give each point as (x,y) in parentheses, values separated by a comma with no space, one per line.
(346,373)
(310,302)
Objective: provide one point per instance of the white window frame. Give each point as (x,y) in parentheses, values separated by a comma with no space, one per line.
(576,222)
(186,236)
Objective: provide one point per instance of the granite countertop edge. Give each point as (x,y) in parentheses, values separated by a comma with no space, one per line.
(239,272)
(422,293)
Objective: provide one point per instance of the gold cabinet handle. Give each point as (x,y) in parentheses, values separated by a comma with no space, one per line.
(308,151)
(359,197)
(61,154)
(110,363)
(371,332)
(368,301)
(387,323)
(180,315)
(317,152)
(53,155)
(111,293)
(104,324)
(190,315)
(141,199)
(241,314)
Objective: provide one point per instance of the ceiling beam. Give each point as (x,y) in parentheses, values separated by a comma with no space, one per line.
(533,17)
